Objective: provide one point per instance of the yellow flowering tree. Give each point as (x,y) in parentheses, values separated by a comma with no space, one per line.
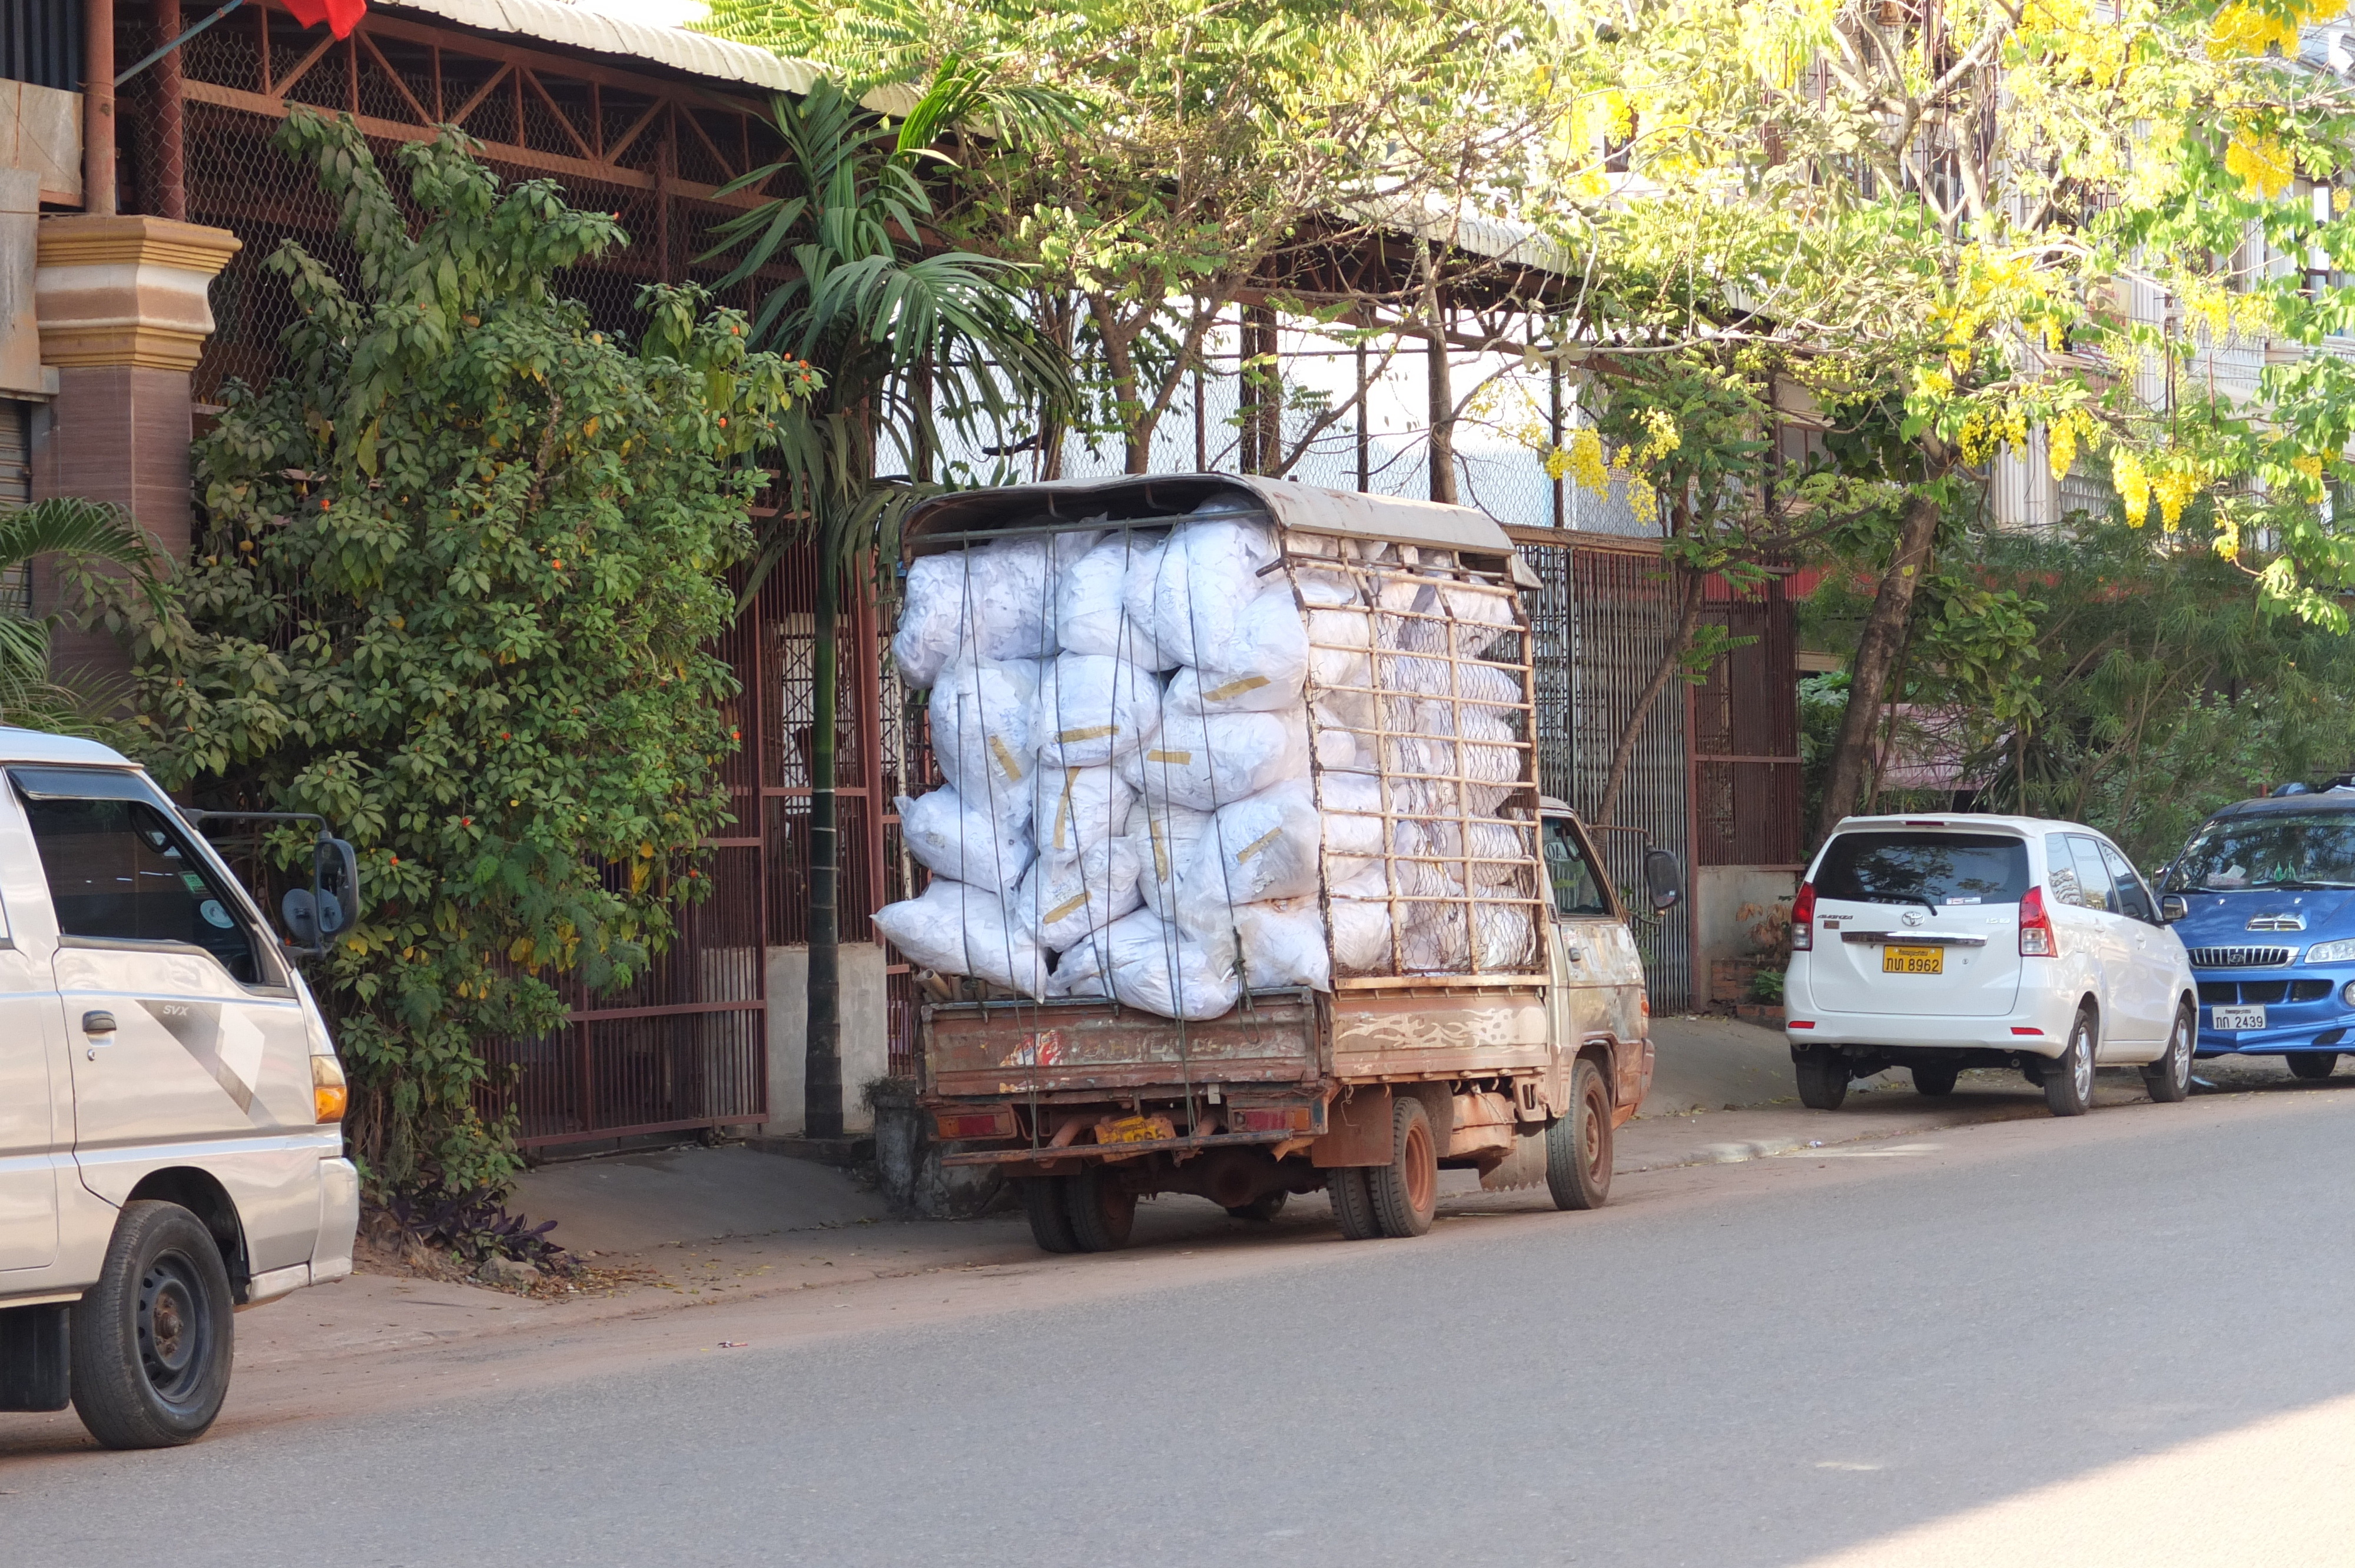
(2081,234)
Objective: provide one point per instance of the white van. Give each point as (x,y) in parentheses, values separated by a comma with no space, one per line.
(169,1102)
(1941,943)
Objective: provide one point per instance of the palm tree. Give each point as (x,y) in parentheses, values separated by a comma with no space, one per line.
(907,342)
(85,534)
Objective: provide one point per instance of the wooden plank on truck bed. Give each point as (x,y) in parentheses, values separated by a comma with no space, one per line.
(1381,1036)
(1049,1047)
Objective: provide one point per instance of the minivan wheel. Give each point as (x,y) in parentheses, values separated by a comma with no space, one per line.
(2311,1064)
(1823,1079)
(2169,1077)
(1935,1079)
(151,1341)
(2069,1080)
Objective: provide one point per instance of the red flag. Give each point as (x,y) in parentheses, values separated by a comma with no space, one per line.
(340,16)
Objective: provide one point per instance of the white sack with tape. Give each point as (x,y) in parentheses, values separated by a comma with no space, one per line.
(1194,601)
(956,928)
(980,714)
(1159,968)
(1091,597)
(1074,808)
(1165,836)
(1261,672)
(931,619)
(1205,760)
(951,838)
(1069,894)
(1094,709)
(1260,847)
(1283,944)
(1361,909)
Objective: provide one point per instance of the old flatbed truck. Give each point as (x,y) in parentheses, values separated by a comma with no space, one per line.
(1366,1093)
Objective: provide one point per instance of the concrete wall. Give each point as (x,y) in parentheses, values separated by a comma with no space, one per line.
(1719,894)
(40,131)
(864,1040)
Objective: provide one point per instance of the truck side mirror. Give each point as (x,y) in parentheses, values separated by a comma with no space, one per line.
(1664,879)
(2172,909)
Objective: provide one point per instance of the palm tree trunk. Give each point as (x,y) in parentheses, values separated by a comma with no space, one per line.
(822,1047)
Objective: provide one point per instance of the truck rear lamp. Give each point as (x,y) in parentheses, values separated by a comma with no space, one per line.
(1803,918)
(329,1096)
(995,1123)
(1271,1118)
(2037,938)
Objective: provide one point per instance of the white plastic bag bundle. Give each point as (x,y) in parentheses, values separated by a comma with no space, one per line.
(1205,760)
(1355,829)
(1505,936)
(1260,847)
(1282,944)
(1089,595)
(952,838)
(1165,836)
(1009,592)
(1502,852)
(931,619)
(956,928)
(1360,911)
(1084,969)
(1159,968)
(1073,808)
(1093,709)
(1069,894)
(1193,601)
(980,716)
(1433,941)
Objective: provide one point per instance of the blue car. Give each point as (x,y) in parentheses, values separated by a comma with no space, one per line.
(2263,897)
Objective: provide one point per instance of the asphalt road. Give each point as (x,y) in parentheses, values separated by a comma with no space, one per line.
(1854,1355)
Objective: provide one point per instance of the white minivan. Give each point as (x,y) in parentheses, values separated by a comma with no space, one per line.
(170,1102)
(1941,943)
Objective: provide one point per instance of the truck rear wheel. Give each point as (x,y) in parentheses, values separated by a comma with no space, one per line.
(151,1341)
(1050,1225)
(1353,1202)
(1101,1210)
(1406,1191)
(1578,1146)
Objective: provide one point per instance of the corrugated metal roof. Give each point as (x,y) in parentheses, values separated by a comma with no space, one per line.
(697,54)
(1172,496)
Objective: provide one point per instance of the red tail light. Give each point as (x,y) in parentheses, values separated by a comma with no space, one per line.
(2037,938)
(1803,918)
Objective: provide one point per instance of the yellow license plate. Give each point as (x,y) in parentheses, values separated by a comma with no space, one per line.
(1134,1129)
(1912,960)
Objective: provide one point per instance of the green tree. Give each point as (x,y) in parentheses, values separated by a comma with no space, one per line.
(908,344)
(457,577)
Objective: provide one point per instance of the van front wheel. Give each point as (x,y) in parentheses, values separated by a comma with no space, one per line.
(152,1339)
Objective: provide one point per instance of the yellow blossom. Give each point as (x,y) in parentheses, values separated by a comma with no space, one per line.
(2309,468)
(2243,29)
(1643,501)
(2228,539)
(2060,447)
(2262,163)
(2133,486)
(2176,488)
(1585,463)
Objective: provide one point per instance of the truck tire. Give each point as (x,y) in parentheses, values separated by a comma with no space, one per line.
(1823,1079)
(1937,1080)
(2069,1078)
(1042,1202)
(152,1341)
(2311,1064)
(2170,1078)
(1406,1191)
(1578,1145)
(1266,1206)
(1353,1204)
(1101,1210)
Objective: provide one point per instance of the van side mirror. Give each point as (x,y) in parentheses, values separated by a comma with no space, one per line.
(1664,879)
(318,914)
(2172,909)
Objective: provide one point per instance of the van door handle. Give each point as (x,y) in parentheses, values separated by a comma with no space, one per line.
(98,1028)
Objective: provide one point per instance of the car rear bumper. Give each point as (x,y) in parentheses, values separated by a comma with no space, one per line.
(2037,1026)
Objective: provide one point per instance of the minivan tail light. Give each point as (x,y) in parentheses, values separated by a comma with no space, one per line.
(1803,918)
(329,1097)
(2037,938)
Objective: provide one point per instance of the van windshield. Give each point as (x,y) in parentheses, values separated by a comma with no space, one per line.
(1935,869)
(2305,850)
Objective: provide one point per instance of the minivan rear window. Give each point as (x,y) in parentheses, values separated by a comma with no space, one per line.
(1935,869)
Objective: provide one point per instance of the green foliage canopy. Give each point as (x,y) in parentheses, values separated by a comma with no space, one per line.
(458,573)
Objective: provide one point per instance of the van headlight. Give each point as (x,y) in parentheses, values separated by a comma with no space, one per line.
(2330,952)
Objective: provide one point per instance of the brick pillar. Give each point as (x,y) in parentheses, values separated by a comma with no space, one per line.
(124,317)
